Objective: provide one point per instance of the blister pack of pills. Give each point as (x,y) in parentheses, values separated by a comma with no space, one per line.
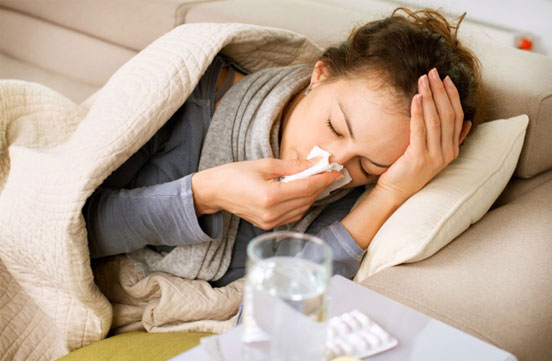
(355,335)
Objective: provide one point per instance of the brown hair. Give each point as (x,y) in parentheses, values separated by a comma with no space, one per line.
(399,49)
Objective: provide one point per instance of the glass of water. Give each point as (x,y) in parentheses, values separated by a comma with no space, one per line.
(285,297)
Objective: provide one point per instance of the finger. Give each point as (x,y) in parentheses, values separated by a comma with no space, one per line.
(292,215)
(417,126)
(454,96)
(446,114)
(274,168)
(310,186)
(285,206)
(431,118)
(275,215)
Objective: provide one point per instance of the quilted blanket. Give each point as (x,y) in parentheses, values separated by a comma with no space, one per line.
(54,153)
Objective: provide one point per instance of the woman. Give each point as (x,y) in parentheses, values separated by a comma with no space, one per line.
(389,104)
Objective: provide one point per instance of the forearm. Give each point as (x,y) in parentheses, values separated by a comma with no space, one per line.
(364,221)
(123,220)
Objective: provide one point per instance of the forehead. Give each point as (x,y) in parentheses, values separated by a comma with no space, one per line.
(369,104)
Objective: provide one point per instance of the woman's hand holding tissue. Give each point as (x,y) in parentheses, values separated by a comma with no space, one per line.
(436,129)
(249,189)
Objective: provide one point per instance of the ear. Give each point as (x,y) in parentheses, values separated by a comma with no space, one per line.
(466,126)
(319,73)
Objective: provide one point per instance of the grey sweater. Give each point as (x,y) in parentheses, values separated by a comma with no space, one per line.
(148,201)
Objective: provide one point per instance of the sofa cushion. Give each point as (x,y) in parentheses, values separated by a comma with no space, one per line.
(517,187)
(137,346)
(130,23)
(453,200)
(492,282)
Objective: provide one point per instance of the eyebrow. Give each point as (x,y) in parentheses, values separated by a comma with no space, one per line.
(350,129)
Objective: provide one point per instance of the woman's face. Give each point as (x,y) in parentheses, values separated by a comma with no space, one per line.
(349,119)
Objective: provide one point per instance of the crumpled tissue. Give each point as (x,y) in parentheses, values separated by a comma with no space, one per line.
(322,166)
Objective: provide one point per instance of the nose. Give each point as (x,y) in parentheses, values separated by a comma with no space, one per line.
(341,155)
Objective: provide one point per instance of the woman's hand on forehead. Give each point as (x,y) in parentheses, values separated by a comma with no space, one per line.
(436,130)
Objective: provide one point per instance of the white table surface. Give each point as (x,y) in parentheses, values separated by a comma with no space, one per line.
(421,338)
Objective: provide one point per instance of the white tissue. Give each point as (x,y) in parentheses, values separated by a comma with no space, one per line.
(322,166)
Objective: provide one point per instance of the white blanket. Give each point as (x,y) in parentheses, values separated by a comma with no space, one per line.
(54,153)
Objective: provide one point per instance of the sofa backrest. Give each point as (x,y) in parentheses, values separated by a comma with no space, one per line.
(515,81)
(129,23)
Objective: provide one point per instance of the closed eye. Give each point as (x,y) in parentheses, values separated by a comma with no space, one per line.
(333,129)
(364,172)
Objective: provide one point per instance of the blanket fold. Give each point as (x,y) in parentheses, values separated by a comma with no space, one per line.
(53,155)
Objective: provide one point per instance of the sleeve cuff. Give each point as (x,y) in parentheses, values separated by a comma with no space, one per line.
(346,241)
(207,227)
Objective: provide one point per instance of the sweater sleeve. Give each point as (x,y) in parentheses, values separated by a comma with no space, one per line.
(124,220)
(347,254)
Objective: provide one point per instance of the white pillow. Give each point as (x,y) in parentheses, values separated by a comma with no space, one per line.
(456,198)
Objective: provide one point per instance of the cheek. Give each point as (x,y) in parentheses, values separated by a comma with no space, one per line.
(310,135)
(358,176)
(309,128)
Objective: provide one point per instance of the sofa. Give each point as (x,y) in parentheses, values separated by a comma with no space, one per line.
(493,281)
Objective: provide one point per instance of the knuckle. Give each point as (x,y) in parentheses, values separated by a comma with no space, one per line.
(301,210)
(420,130)
(461,113)
(449,155)
(435,122)
(271,197)
(449,114)
(267,198)
(265,226)
(456,152)
(267,216)
(264,201)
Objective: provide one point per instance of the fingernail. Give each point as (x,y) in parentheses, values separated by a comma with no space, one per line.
(425,82)
(448,82)
(434,73)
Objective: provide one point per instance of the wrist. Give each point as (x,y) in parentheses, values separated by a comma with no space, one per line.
(380,205)
(394,197)
(204,193)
